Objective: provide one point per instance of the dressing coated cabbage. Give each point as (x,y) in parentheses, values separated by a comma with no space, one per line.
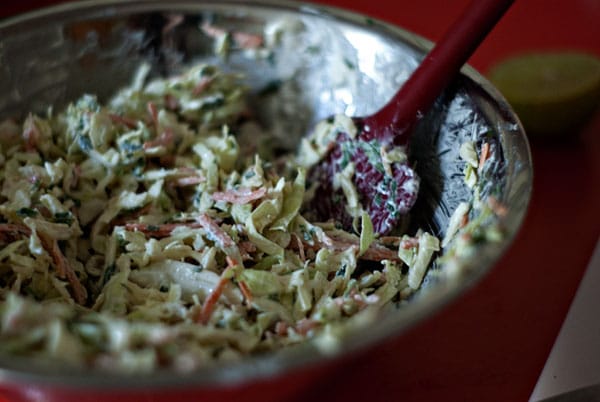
(136,235)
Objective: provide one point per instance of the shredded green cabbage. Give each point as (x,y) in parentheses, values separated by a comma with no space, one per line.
(136,235)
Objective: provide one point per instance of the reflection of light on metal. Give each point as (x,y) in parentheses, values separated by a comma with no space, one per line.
(369,51)
(345,95)
(373,53)
(374,60)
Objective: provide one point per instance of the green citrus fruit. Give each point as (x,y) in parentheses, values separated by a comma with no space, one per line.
(553,93)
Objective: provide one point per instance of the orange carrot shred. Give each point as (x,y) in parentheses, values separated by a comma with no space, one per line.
(15,228)
(246,292)
(464,220)
(409,243)
(153,112)
(485,154)
(126,121)
(10,231)
(63,268)
(202,85)
(305,325)
(281,328)
(189,181)
(247,40)
(496,206)
(231,262)
(300,247)
(158,231)
(165,138)
(212,299)
(239,196)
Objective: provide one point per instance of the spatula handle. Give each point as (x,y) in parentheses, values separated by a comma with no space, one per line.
(397,118)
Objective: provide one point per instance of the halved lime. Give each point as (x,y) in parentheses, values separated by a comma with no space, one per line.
(553,93)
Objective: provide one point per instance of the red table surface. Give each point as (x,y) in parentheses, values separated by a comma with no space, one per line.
(491,343)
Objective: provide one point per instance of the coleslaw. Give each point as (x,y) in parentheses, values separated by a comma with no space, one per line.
(138,235)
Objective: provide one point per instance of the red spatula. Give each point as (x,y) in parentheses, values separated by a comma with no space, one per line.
(387,191)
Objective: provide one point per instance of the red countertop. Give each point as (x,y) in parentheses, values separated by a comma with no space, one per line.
(491,343)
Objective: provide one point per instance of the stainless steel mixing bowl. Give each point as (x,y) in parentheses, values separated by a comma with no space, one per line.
(329,61)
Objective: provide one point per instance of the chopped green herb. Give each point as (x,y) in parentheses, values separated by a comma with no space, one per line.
(27,212)
(63,217)
(108,272)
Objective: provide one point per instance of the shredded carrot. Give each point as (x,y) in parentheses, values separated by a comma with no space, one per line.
(239,196)
(231,262)
(246,292)
(212,299)
(247,40)
(496,206)
(126,121)
(305,325)
(212,30)
(220,237)
(15,228)
(158,231)
(409,243)
(300,247)
(359,299)
(393,241)
(281,328)
(375,252)
(63,268)
(187,171)
(485,154)
(218,234)
(202,85)
(11,231)
(189,181)
(165,138)
(171,102)
(153,112)
(214,296)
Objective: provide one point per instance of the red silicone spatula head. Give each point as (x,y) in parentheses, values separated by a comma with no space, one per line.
(388,190)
